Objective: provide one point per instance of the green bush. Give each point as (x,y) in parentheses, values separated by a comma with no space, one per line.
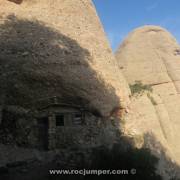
(139,88)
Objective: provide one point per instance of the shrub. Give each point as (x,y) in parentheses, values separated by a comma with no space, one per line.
(139,88)
(115,159)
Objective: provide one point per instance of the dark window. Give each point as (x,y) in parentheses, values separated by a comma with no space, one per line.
(78,118)
(60,120)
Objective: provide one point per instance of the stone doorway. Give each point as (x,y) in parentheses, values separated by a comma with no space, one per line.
(43,126)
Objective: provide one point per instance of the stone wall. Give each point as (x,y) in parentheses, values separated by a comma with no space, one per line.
(23,129)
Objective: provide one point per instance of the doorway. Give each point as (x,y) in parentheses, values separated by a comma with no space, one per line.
(43,126)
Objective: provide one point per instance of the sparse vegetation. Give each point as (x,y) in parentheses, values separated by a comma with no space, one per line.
(139,88)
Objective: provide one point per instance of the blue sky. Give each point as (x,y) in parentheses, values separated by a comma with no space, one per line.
(119,17)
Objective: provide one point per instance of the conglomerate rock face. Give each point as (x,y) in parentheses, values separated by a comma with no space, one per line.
(151,55)
(57,48)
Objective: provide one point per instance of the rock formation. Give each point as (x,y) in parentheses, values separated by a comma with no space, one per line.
(58,49)
(151,55)
(49,50)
